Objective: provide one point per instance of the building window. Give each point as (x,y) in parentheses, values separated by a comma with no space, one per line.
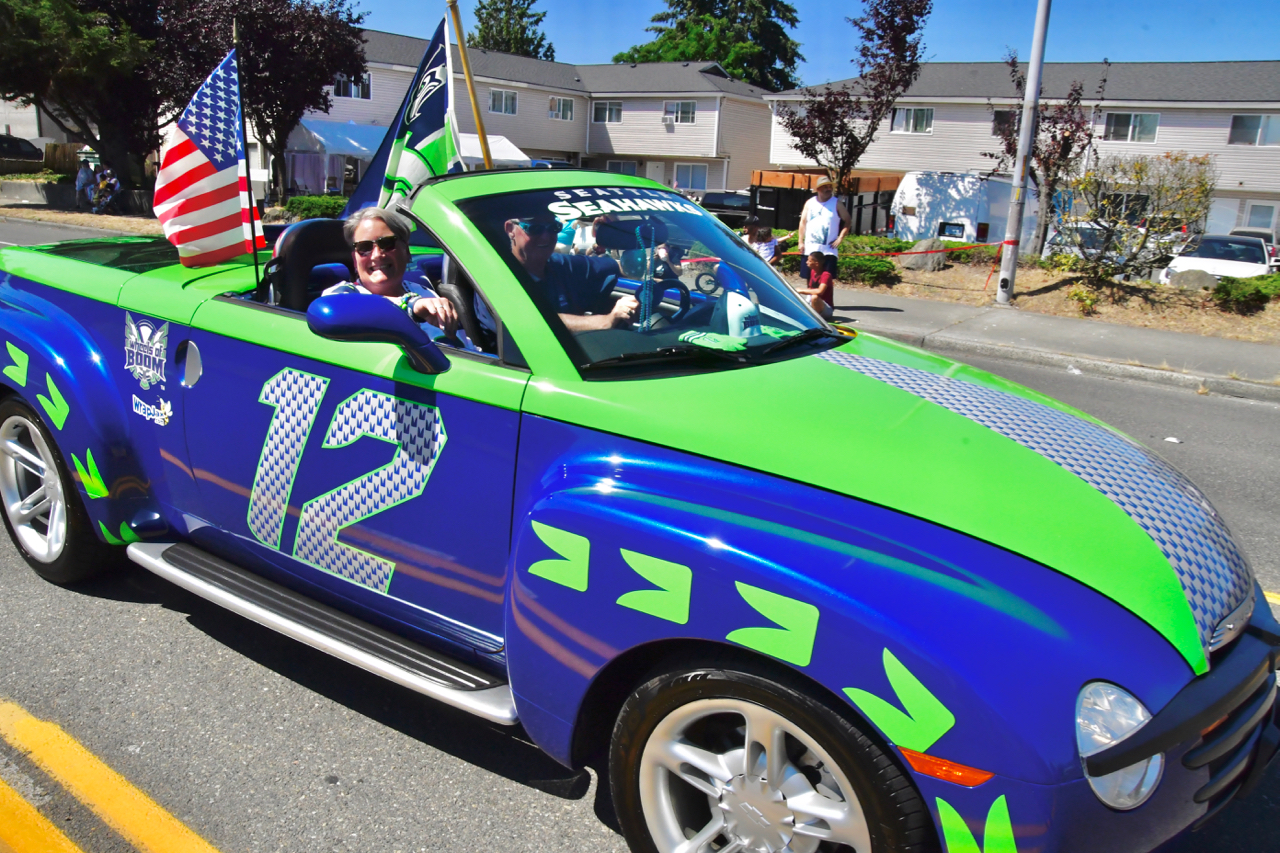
(691,176)
(502,101)
(679,112)
(913,120)
(622,167)
(1131,127)
(561,109)
(1254,130)
(607,112)
(1003,122)
(345,87)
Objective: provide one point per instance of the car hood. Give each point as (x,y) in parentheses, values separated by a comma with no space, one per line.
(1213,266)
(895,426)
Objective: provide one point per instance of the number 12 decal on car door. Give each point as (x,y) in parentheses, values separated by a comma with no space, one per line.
(415,429)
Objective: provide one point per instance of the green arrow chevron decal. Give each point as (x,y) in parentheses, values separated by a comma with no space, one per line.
(997,837)
(576,550)
(671,600)
(54,405)
(126,535)
(926,719)
(90,478)
(18,370)
(793,640)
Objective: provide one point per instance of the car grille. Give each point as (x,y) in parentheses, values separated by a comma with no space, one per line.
(1236,749)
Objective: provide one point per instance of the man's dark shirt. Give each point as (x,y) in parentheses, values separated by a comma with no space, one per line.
(576,284)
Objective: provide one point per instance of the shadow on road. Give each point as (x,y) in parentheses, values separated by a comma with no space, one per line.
(504,751)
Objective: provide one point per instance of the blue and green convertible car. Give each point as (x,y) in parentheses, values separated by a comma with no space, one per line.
(797,588)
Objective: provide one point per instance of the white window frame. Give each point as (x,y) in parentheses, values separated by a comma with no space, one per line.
(609,164)
(1132,128)
(1268,127)
(1014,116)
(674,111)
(360,91)
(907,125)
(504,93)
(608,111)
(675,175)
(556,108)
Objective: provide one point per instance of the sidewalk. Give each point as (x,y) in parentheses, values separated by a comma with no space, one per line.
(1218,365)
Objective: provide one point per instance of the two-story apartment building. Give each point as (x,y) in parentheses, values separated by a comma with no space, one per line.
(947,120)
(685,124)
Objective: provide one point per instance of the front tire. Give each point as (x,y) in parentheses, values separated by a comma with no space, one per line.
(725,759)
(42,508)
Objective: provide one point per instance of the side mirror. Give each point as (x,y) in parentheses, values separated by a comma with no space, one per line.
(361,317)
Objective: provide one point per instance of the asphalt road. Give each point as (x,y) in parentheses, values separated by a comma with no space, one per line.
(260,744)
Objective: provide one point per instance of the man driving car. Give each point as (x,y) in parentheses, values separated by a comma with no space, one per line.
(578,286)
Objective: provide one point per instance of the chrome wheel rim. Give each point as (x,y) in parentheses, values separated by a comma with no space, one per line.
(731,776)
(32,490)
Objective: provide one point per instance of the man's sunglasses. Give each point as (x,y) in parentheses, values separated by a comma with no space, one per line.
(365,247)
(537,229)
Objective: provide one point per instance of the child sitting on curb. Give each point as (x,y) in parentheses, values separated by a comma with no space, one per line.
(820,294)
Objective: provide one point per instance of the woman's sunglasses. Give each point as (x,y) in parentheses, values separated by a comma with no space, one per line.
(365,247)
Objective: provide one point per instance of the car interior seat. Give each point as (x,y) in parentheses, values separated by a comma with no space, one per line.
(306,258)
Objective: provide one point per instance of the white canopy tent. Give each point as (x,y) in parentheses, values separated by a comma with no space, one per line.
(502,151)
(316,152)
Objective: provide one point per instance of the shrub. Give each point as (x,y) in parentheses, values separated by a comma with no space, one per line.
(42,177)
(1086,298)
(1246,295)
(867,270)
(316,206)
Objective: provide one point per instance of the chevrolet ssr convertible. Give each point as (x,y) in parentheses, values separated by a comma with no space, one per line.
(798,589)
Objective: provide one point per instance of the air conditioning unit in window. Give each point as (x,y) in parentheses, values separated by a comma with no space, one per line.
(553,114)
(668,119)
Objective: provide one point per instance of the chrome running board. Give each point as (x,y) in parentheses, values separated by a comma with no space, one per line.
(331,631)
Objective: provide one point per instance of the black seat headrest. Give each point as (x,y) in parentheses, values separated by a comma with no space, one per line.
(304,246)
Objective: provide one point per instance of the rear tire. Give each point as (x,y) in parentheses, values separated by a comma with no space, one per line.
(42,509)
(735,760)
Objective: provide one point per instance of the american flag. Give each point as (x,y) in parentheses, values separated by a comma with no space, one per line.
(202,189)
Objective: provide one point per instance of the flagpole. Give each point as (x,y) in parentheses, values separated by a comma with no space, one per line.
(471,86)
(248,173)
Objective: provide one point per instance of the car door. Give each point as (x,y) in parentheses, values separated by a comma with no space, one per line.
(338,470)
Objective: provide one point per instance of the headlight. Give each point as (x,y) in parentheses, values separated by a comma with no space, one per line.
(1105,715)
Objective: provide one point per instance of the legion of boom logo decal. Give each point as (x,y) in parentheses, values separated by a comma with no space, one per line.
(144,351)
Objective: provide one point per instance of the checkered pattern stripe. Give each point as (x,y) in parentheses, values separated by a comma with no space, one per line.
(296,396)
(1179,519)
(419,432)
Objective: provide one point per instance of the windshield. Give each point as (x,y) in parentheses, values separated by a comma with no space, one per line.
(1225,249)
(639,280)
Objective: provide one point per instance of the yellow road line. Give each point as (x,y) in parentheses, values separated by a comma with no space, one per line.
(1273,597)
(131,813)
(25,830)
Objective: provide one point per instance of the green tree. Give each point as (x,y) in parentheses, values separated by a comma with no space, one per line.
(510,26)
(84,64)
(1128,212)
(314,41)
(747,37)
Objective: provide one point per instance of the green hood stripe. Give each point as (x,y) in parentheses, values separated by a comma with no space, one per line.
(1214,576)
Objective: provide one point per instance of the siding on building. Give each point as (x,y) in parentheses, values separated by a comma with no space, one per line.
(387,85)
(531,128)
(741,140)
(641,131)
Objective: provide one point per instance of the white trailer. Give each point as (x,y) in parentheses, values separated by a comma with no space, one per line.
(958,206)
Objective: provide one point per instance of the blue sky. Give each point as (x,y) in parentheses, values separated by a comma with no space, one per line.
(1079,30)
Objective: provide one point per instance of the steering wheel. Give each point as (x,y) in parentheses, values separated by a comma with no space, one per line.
(661,286)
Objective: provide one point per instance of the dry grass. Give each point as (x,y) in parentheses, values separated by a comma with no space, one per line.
(39,213)
(1131,304)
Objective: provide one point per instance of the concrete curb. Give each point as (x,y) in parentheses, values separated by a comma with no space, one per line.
(108,231)
(954,345)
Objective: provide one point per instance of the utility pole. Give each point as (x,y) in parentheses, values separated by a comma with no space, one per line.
(1026,135)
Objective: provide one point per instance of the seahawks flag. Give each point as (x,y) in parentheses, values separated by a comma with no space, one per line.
(426,134)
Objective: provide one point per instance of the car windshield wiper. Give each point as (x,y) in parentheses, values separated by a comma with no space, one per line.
(672,353)
(807,336)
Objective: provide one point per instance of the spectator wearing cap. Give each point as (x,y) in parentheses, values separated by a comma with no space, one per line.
(824,223)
